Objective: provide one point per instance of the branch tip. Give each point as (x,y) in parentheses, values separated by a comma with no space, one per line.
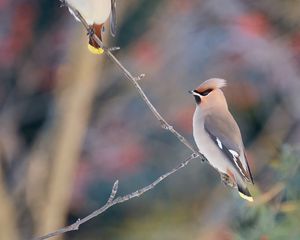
(114,191)
(116,185)
(140,77)
(164,124)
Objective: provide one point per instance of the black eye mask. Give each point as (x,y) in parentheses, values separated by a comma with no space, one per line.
(197,99)
(206,92)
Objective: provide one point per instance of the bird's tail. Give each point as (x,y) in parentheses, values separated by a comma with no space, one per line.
(93,45)
(244,192)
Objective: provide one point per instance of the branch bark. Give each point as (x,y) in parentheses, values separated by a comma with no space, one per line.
(164,124)
(113,201)
(134,80)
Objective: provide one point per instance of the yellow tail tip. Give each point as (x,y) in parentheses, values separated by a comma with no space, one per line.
(94,50)
(248,198)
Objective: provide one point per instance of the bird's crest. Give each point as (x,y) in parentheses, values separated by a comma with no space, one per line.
(211,84)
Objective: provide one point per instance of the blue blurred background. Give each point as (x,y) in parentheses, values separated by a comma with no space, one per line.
(71,124)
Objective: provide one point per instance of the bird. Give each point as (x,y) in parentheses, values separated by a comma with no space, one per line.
(95,13)
(218,137)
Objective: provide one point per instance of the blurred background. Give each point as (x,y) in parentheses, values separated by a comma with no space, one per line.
(71,124)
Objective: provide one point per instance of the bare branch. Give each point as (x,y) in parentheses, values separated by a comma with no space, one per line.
(134,80)
(111,201)
(113,191)
(164,124)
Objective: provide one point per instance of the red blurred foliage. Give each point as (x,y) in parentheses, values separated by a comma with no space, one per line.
(254,23)
(295,43)
(3,3)
(118,152)
(243,95)
(147,53)
(264,237)
(217,232)
(184,118)
(183,6)
(20,35)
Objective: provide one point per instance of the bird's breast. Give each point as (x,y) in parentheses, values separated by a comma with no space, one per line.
(206,146)
(93,11)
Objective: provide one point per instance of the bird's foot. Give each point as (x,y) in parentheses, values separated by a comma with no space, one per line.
(90,32)
(226,180)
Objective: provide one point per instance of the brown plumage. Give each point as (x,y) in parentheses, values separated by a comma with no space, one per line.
(97,28)
(95,13)
(211,84)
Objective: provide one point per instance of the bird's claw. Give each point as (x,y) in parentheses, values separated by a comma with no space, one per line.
(225,179)
(90,32)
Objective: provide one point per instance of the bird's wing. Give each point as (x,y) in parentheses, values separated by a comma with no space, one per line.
(221,130)
(113,18)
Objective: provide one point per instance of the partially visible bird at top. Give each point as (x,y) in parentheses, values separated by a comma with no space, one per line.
(95,13)
(218,136)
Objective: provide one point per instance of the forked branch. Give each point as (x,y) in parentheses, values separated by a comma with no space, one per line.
(164,124)
(113,201)
(134,80)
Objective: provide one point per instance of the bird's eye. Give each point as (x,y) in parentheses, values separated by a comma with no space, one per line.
(206,92)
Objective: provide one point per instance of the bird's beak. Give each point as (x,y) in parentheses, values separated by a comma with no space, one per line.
(191,92)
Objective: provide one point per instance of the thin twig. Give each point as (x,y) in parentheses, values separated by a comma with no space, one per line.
(113,191)
(113,201)
(134,80)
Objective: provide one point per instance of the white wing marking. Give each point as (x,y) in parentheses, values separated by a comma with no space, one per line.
(234,153)
(219,143)
(235,156)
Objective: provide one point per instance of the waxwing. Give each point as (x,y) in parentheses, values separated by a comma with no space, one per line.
(96,12)
(218,136)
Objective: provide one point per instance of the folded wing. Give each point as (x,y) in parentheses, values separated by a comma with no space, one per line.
(113,18)
(227,137)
